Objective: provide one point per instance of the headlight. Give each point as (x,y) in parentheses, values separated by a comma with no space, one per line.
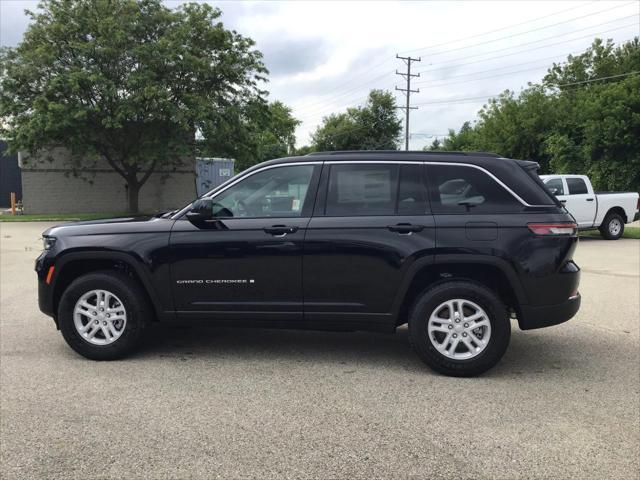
(48,242)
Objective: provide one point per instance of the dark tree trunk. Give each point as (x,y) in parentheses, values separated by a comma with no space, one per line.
(133,191)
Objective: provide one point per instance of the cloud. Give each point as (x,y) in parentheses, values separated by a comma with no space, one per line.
(13,21)
(292,56)
(325,56)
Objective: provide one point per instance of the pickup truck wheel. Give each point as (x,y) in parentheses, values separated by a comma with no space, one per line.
(102,315)
(459,328)
(613,226)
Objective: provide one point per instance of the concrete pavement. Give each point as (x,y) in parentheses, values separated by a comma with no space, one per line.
(223,403)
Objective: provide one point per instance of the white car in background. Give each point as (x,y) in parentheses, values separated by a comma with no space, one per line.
(606,211)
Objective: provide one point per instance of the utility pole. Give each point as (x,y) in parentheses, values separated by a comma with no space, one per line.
(407,91)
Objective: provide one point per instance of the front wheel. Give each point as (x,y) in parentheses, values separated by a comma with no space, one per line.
(459,328)
(612,227)
(102,315)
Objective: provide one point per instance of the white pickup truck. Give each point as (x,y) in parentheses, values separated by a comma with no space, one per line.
(605,211)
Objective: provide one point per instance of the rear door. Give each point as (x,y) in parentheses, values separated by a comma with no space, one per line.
(580,202)
(370,224)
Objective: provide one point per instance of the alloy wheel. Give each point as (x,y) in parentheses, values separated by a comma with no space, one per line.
(99,317)
(459,329)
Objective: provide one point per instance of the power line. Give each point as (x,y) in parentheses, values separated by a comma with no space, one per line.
(486,77)
(314,103)
(545,39)
(464,99)
(374,67)
(526,22)
(468,100)
(472,99)
(314,112)
(407,91)
(528,31)
(482,60)
(574,52)
(474,75)
(359,87)
(596,79)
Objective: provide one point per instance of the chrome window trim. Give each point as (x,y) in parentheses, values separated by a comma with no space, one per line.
(368,162)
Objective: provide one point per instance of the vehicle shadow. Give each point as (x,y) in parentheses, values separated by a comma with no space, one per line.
(529,353)
(207,343)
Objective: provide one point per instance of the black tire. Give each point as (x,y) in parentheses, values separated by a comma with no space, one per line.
(608,226)
(134,300)
(495,310)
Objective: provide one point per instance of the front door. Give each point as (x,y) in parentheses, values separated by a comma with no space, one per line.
(249,263)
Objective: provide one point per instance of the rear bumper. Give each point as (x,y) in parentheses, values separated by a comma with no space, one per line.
(545,316)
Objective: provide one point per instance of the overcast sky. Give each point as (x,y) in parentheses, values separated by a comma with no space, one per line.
(326,56)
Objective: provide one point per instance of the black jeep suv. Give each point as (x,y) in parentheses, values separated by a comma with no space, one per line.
(454,244)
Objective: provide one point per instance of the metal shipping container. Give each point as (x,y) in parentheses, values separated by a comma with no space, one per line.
(211,172)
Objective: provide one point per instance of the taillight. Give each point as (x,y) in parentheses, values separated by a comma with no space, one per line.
(566,229)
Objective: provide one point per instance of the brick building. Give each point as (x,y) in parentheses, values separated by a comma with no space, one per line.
(48,186)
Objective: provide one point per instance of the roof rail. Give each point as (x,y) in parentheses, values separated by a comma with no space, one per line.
(404,152)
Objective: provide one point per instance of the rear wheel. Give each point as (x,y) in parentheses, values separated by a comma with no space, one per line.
(102,315)
(459,328)
(612,227)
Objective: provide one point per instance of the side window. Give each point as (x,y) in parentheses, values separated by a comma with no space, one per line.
(555,186)
(412,194)
(356,190)
(576,186)
(275,192)
(460,189)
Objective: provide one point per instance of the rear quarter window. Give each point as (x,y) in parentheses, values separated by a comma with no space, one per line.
(467,190)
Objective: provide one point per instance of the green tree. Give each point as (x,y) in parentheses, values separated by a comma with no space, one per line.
(305,150)
(435,145)
(128,81)
(260,131)
(375,126)
(578,120)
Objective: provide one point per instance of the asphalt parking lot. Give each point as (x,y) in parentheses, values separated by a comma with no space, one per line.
(223,403)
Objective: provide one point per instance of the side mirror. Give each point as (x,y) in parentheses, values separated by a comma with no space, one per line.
(201,211)
(554,191)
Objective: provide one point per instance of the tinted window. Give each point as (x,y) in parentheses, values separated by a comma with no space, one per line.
(576,186)
(458,189)
(555,186)
(362,190)
(275,192)
(412,195)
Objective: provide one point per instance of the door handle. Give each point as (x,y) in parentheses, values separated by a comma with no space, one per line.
(589,199)
(280,230)
(405,228)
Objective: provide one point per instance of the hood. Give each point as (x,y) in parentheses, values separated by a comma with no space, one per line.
(138,224)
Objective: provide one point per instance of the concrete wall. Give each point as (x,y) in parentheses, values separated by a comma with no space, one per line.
(49,187)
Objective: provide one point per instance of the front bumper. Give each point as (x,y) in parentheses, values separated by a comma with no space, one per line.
(45,291)
(531,317)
